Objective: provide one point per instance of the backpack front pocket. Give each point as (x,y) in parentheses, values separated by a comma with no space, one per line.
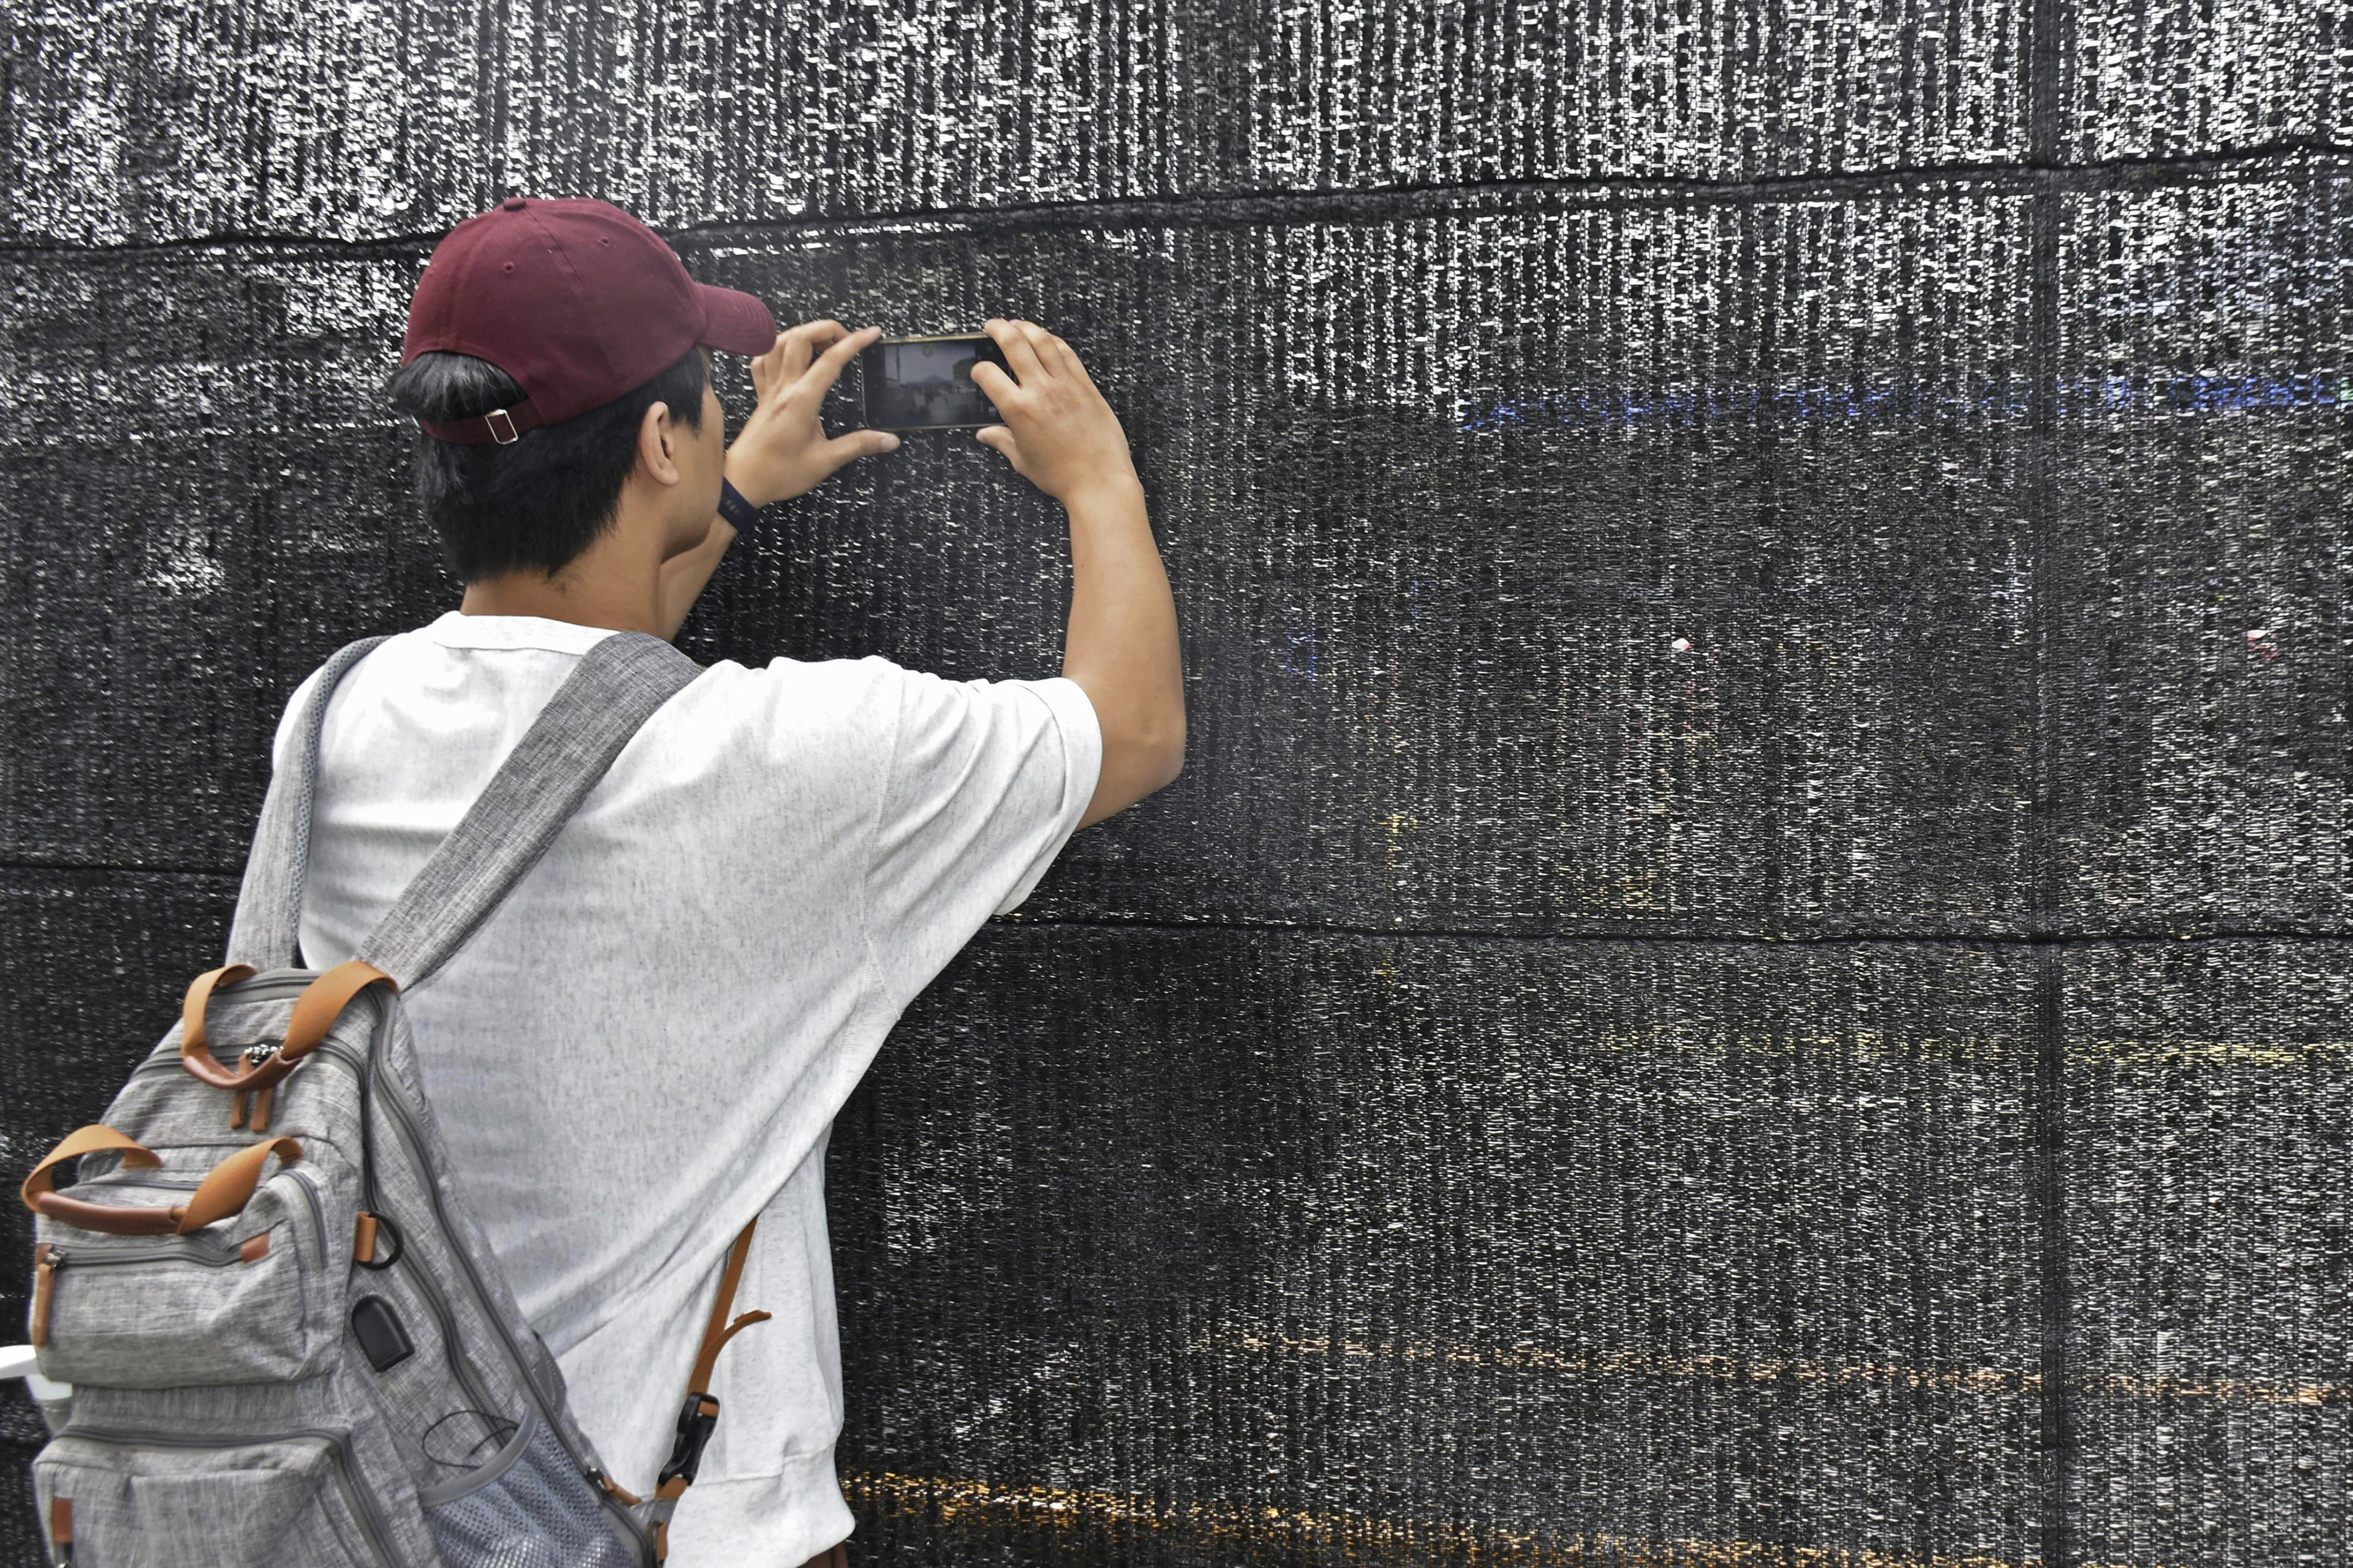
(245,1301)
(140,1499)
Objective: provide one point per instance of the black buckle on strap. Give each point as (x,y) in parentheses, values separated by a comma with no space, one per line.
(697,1418)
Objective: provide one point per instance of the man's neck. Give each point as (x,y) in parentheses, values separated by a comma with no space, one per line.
(612,606)
(616,584)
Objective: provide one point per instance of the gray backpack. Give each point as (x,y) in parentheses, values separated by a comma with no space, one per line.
(287,1341)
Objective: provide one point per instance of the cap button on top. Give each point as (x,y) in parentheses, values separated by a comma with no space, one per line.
(512,204)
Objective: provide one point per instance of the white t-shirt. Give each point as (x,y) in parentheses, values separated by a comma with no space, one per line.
(645,1045)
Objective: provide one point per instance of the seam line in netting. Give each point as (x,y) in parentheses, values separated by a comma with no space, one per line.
(2287,158)
(2045,65)
(2149,936)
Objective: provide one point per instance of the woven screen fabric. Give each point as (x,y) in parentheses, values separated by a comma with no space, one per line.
(1750,967)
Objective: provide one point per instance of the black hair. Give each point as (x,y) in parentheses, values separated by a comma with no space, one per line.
(538,503)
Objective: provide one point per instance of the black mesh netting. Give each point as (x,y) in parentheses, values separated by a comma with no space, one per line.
(1750,965)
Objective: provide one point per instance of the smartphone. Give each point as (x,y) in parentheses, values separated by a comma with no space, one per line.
(926,383)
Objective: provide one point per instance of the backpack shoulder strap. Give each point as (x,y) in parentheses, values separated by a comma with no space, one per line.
(270,901)
(618,684)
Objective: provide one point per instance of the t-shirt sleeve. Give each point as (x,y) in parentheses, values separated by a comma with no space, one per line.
(283,739)
(986,781)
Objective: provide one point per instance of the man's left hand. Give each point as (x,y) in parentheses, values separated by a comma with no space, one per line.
(783,451)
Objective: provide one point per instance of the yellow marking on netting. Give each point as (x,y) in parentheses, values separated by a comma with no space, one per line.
(1074,1509)
(2211,1053)
(1637,1363)
(2243,1390)
(1968,1050)
(1395,825)
(1984,1381)
(1696,1036)
(1698,1039)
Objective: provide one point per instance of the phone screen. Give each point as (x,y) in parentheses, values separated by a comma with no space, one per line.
(922,384)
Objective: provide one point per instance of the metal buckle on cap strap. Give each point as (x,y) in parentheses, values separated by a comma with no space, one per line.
(512,434)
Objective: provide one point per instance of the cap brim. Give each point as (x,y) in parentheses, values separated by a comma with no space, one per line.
(735,321)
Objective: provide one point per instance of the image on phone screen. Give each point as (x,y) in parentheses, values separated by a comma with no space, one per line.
(926,383)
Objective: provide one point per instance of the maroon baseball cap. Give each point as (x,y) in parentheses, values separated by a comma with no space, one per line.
(576,301)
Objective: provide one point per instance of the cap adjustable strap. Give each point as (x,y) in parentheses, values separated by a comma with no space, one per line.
(504,426)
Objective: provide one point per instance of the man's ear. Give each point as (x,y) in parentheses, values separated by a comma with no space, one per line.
(655,454)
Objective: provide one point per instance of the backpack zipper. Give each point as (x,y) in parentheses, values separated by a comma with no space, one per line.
(276,986)
(310,1185)
(362,1505)
(107,1259)
(52,1261)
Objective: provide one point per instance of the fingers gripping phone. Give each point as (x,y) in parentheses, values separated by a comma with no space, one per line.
(926,383)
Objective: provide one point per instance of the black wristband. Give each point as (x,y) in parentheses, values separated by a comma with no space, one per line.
(740,513)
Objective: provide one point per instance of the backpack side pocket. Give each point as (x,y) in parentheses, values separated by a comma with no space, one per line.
(528,1499)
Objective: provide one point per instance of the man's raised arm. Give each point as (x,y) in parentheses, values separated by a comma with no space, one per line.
(1121,647)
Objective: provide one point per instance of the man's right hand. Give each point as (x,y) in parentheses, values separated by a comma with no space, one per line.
(1059,432)
(783,451)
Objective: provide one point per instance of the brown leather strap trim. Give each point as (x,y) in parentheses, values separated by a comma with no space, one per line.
(90,1140)
(711,1352)
(661,1541)
(45,1279)
(228,1186)
(61,1520)
(718,1331)
(110,1219)
(316,1010)
(617,1492)
(363,1245)
(192,1016)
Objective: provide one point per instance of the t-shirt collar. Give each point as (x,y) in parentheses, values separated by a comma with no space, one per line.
(458,629)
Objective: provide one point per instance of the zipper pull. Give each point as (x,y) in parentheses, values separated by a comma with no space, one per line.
(612,1489)
(62,1530)
(47,1261)
(242,1104)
